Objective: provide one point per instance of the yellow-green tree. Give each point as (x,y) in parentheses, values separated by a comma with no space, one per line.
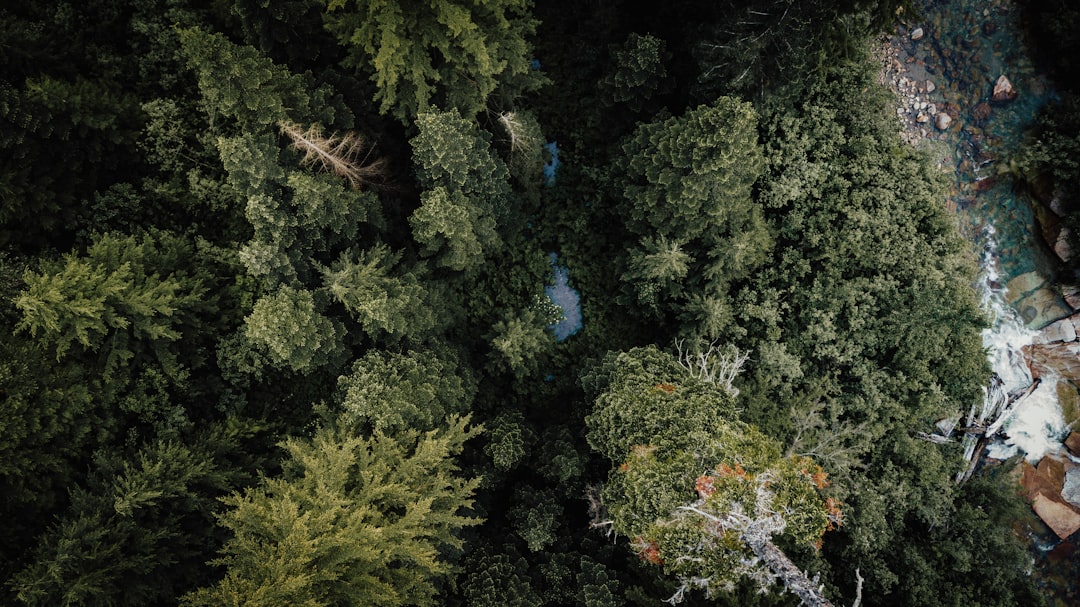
(353,520)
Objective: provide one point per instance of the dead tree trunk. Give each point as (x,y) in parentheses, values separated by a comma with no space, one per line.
(790,575)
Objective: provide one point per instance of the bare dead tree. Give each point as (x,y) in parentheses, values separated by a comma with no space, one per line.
(715,364)
(347,156)
(598,514)
(520,138)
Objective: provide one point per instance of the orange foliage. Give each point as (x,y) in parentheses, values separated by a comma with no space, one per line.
(669,388)
(818,476)
(704,486)
(727,471)
(836,516)
(648,551)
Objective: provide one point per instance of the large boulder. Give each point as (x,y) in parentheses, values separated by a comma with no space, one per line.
(1037,300)
(1059,515)
(1060,358)
(1063,330)
(1070,491)
(1044,486)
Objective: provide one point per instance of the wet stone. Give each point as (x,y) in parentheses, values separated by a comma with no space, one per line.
(1073,443)
(1071,488)
(1003,90)
(1058,331)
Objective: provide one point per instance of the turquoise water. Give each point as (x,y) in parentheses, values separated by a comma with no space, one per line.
(967,45)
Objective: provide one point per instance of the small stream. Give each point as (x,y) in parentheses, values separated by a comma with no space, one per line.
(949,60)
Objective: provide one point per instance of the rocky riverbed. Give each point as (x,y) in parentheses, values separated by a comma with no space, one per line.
(966,92)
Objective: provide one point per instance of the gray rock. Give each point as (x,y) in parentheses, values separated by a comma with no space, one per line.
(930,86)
(1061,330)
(1071,490)
(942,121)
(916,33)
(1062,247)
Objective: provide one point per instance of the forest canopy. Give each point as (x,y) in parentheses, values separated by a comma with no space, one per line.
(272,281)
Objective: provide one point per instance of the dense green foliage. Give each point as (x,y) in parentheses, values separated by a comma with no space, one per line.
(260,260)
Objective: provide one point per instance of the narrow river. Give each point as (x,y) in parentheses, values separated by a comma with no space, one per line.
(949,60)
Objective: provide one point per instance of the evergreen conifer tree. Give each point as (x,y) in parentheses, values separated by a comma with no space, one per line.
(353,521)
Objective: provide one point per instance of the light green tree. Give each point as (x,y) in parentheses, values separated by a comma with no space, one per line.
(656,271)
(297,336)
(466,190)
(453,53)
(353,520)
(519,340)
(112,296)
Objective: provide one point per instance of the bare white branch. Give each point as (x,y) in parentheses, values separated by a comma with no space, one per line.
(346,156)
(715,365)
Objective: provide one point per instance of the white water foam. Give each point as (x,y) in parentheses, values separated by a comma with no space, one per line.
(1037,425)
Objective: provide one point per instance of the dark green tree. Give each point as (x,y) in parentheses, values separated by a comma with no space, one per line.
(466,190)
(686,186)
(495,579)
(244,85)
(139,532)
(289,327)
(688,175)
(453,54)
(640,71)
(385,301)
(391,392)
